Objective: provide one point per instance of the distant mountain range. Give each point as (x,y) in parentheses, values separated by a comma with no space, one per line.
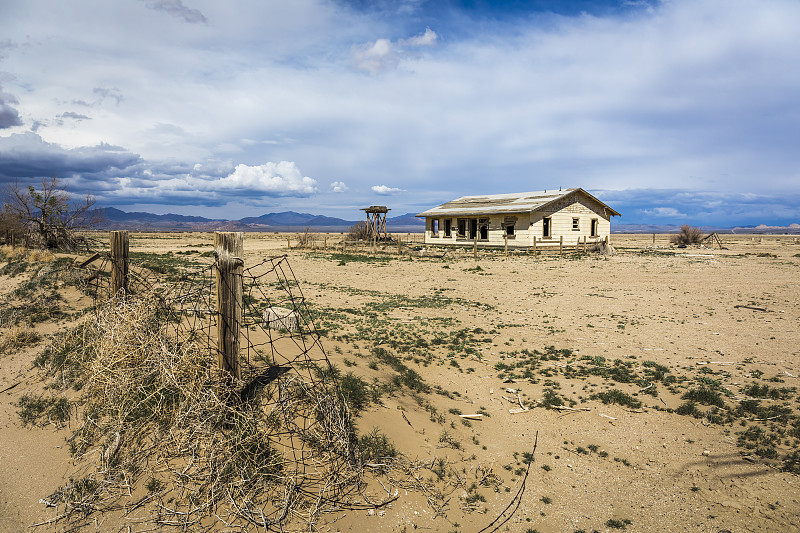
(116,219)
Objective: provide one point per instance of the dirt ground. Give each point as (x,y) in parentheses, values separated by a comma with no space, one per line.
(721,319)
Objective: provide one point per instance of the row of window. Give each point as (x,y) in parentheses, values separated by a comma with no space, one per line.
(469,228)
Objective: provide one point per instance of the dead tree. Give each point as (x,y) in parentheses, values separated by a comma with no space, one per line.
(50,213)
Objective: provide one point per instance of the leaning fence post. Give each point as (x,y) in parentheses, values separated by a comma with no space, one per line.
(228,249)
(118,242)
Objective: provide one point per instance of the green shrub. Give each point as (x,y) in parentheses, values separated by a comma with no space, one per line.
(376,447)
(618,397)
(704,395)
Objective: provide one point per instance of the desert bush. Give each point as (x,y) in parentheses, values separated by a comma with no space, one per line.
(704,395)
(356,391)
(150,400)
(358,231)
(618,397)
(687,235)
(14,338)
(305,238)
(35,409)
(376,447)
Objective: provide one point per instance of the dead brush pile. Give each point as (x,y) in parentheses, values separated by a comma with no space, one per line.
(163,440)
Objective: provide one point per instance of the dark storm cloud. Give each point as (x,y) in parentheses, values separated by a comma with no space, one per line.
(26,155)
(9,116)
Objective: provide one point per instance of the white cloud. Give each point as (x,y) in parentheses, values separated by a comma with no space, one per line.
(282,178)
(426,39)
(384,190)
(663,212)
(383,54)
(338,186)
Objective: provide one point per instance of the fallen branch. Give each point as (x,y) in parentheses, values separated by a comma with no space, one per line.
(565,408)
(10,387)
(749,307)
(607,416)
(476,416)
(517,499)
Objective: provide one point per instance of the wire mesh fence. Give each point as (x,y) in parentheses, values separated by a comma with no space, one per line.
(273,445)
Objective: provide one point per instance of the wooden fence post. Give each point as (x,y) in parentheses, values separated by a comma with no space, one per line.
(561,245)
(228,249)
(584,244)
(475,247)
(534,245)
(506,239)
(118,242)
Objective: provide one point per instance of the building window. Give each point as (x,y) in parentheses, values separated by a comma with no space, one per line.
(546,232)
(435,227)
(594,231)
(576,224)
(462,228)
(448,227)
(510,230)
(473,228)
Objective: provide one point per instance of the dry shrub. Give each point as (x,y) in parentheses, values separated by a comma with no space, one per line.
(687,235)
(603,248)
(16,337)
(306,238)
(359,232)
(11,253)
(40,256)
(163,420)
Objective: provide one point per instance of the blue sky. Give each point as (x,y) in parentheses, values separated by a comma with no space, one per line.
(679,111)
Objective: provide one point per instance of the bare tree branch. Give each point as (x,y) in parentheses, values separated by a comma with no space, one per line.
(50,214)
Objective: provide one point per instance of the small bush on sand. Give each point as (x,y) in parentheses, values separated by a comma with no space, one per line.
(358,231)
(687,235)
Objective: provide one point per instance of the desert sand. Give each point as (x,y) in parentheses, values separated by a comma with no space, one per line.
(720,319)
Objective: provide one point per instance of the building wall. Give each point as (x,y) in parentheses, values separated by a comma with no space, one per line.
(530,225)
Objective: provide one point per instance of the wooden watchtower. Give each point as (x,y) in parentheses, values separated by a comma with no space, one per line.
(376,221)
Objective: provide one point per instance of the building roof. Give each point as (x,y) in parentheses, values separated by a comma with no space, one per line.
(493,204)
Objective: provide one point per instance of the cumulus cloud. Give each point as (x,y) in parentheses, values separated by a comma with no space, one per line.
(277,179)
(338,186)
(384,54)
(384,190)
(177,9)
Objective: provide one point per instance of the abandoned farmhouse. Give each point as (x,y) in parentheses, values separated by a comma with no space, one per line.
(526,219)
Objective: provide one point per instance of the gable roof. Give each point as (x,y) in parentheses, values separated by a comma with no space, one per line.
(492,204)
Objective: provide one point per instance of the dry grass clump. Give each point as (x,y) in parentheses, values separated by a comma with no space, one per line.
(17,337)
(165,437)
(40,256)
(687,235)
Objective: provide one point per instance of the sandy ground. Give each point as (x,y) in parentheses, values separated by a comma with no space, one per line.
(725,315)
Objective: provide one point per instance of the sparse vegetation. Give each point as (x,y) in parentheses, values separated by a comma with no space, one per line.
(687,235)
